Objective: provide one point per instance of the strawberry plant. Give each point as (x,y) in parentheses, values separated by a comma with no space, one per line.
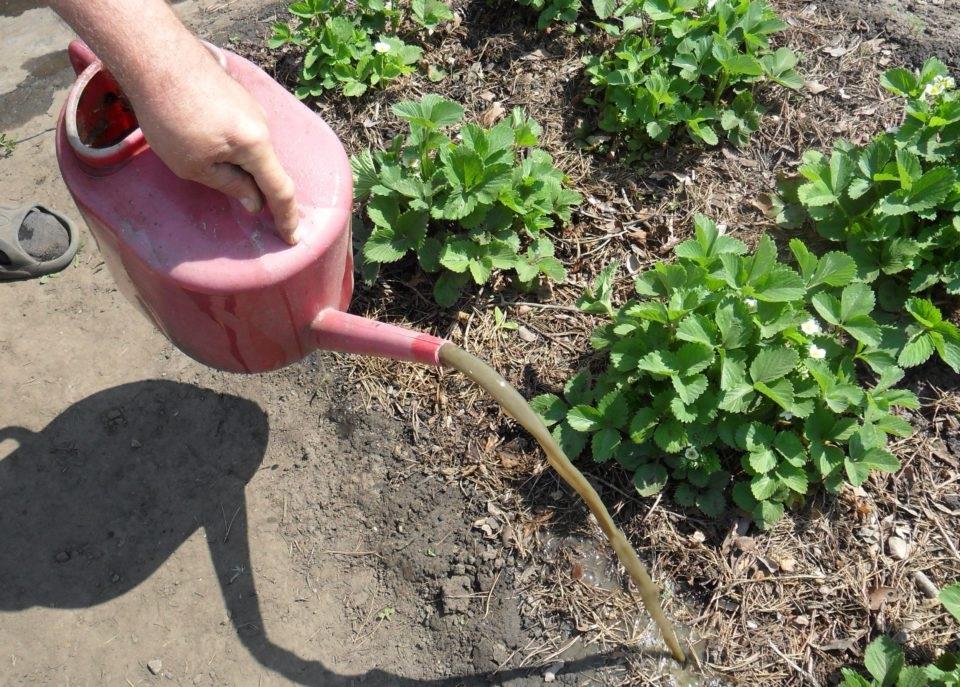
(895,202)
(929,332)
(732,373)
(550,11)
(885,662)
(466,206)
(352,46)
(687,63)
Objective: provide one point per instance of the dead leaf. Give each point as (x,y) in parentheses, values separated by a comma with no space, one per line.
(836,51)
(492,114)
(488,96)
(878,596)
(815,87)
(526,334)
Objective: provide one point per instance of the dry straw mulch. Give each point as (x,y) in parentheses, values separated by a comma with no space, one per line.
(784,607)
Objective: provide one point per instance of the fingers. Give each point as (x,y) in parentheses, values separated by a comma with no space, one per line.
(234,182)
(277,189)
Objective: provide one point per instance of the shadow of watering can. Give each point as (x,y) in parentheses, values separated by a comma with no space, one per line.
(213,278)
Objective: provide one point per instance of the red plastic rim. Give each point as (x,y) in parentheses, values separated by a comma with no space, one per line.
(100,125)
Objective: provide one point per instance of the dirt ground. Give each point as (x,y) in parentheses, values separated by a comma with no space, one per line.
(377,524)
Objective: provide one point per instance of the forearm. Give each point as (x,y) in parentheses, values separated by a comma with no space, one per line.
(142,42)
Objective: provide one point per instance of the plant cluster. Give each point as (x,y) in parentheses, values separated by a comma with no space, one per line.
(550,11)
(894,202)
(885,663)
(689,63)
(465,206)
(353,46)
(732,373)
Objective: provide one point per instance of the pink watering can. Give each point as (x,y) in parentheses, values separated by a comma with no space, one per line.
(213,278)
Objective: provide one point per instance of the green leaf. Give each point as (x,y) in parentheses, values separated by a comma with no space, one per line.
(571,441)
(773,363)
(950,598)
(650,479)
(768,513)
(916,351)
(603,444)
(924,312)
(834,269)
(584,418)
(779,391)
(432,112)
(697,329)
(656,362)
(604,8)
(761,462)
(690,388)
(912,676)
(883,659)
(827,306)
(863,329)
(671,436)
(550,408)
(642,424)
(448,287)
(900,82)
(856,300)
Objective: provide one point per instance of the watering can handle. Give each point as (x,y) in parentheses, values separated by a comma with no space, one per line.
(80,55)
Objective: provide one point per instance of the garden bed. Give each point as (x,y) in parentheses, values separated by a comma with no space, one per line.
(787,606)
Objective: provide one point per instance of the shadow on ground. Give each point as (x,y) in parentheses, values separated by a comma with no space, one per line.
(87,514)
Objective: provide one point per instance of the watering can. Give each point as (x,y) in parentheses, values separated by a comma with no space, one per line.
(216,280)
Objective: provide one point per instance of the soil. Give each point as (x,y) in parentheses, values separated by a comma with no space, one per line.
(922,28)
(349,521)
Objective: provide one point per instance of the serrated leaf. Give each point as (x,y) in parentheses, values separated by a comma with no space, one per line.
(650,479)
(762,461)
(550,408)
(779,391)
(642,424)
(916,351)
(603,444)
(697,329)
(883,659)
(793,477)
(863,329)
(773,363)
(950,598)
(571,441)
(856,300)
(656,362)
(584,418)
(671,436)
(834,269)
(763,487)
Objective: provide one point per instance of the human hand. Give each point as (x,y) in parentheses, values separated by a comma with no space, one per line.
(207,128)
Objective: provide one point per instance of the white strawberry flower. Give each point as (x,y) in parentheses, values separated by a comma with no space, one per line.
(381,47)
(939,86)
(710,4)
(786,415)
(751,304)
(691,453)
(816,352)
(810,327)
(721,228)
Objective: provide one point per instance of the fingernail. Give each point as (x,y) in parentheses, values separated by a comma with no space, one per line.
(294,237)
(249,204)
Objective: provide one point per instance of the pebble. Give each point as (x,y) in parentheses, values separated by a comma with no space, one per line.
(552,671)
(526,334)
(898,548)
(925,585)
(63,557)
(155,666)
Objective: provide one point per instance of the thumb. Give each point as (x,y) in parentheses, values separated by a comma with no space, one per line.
(234,182)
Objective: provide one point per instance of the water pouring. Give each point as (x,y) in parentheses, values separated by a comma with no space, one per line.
(225,289)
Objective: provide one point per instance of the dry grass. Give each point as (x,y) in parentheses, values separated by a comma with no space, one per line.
(785,607)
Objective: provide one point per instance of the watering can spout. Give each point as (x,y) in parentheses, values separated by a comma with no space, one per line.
(335,330)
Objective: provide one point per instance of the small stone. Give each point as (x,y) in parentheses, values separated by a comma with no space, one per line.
(198,678)
(552,671)
(898,548)
(526,334)
(135,444)
(787,564)
(925,585)
(155,666)
(63,557)
(802,620)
